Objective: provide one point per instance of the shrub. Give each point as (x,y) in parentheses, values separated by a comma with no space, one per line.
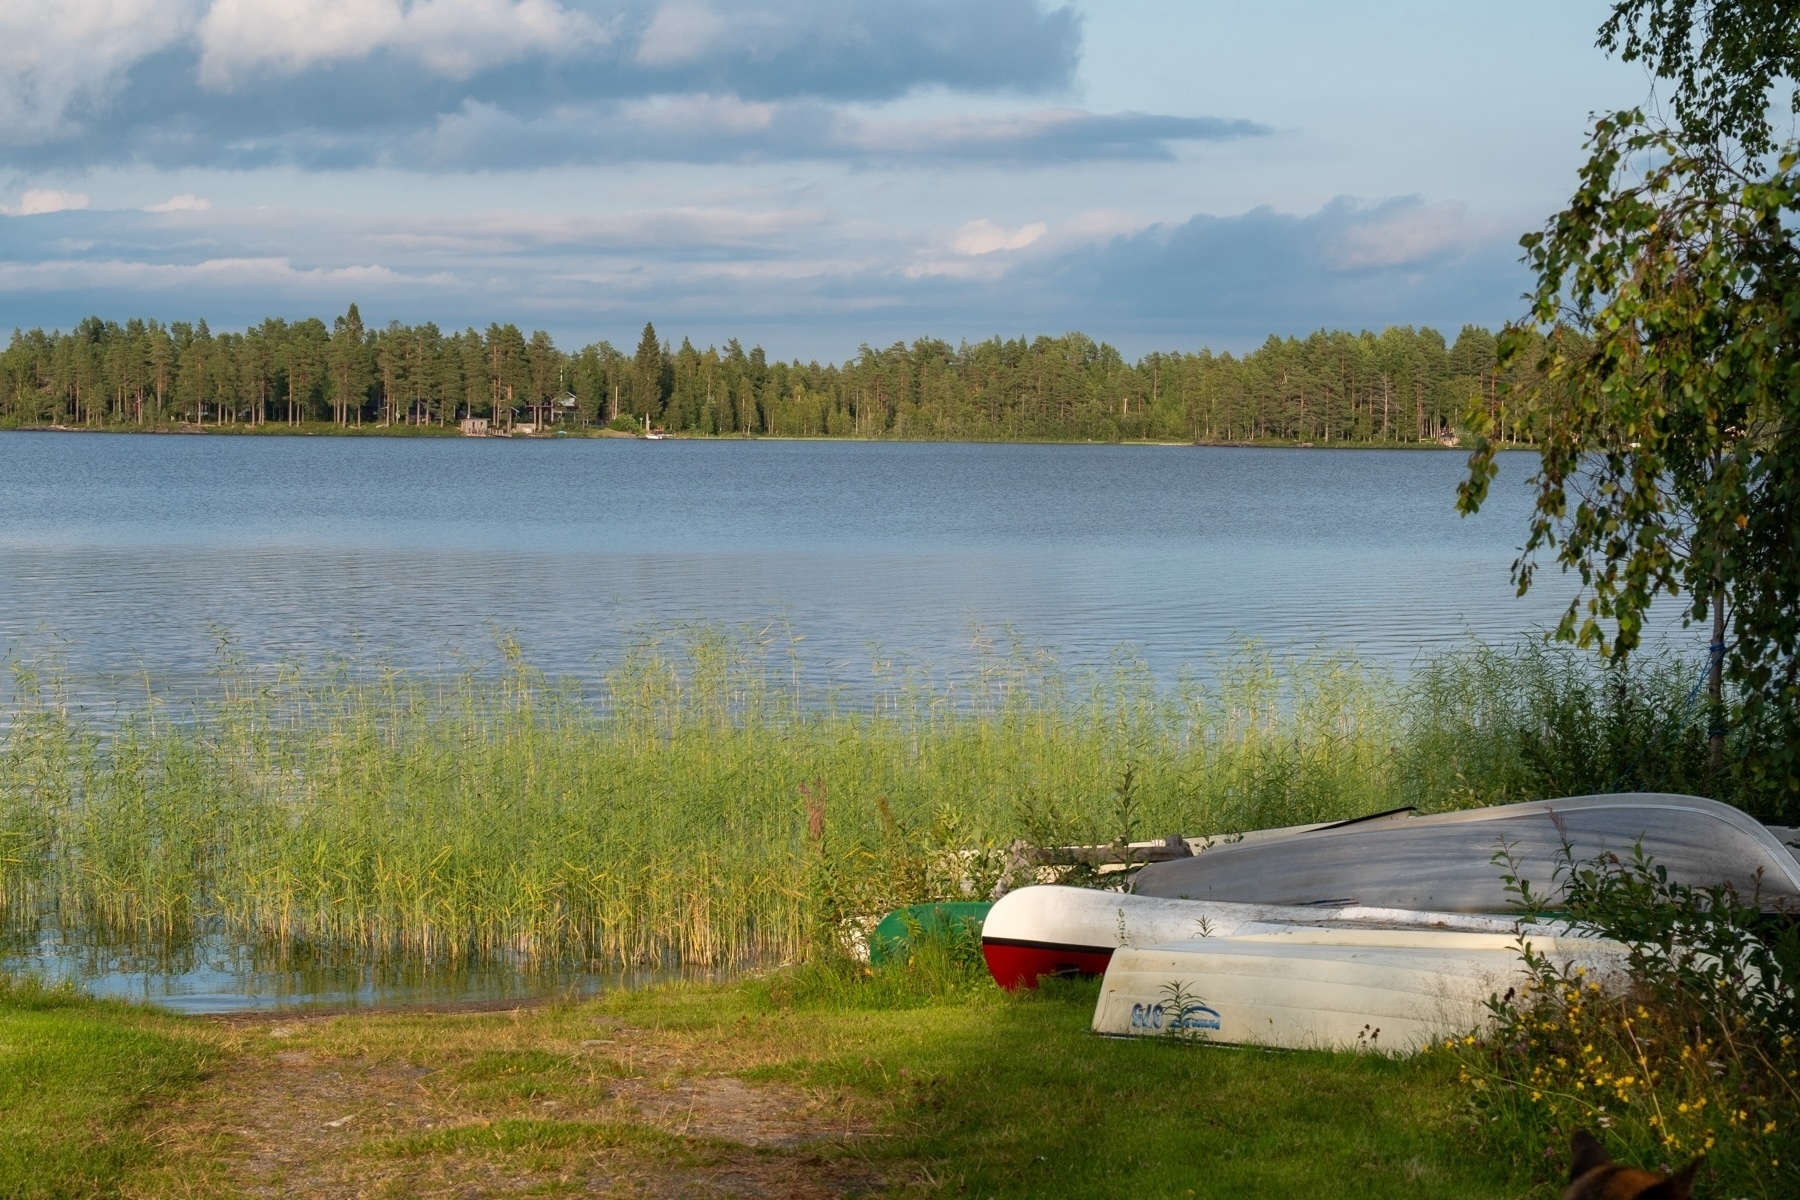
(1697,1056)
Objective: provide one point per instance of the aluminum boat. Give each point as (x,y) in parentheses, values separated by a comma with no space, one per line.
(1448,862)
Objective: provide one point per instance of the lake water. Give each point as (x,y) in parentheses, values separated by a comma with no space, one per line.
(130,555)
(136,552)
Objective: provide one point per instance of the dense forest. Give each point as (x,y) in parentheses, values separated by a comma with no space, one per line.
(1400,386)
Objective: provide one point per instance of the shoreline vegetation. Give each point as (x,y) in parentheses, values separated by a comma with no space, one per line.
(701,807)
(1404,386)
(1452,441)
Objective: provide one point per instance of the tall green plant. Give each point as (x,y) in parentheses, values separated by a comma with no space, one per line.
(1698,1055)
(698,809)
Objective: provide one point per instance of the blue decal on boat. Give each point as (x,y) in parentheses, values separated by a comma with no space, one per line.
(1146,1016)
(1193,1016)
(1197,1016)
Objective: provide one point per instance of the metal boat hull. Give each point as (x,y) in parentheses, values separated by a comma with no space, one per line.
(1448,862)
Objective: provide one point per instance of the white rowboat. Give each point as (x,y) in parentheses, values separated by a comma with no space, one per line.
(1308,987)
(1051,930)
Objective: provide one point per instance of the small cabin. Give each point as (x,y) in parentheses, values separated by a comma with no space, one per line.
(474,426)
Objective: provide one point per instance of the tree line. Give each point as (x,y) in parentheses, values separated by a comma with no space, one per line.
(1400,386)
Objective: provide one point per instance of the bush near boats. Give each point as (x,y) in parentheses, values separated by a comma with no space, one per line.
(1698,1057)
(704,808)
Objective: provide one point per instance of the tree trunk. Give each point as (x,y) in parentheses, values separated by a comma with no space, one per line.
(1715,683)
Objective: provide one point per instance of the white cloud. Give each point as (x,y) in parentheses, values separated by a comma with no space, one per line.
(62,55)
(680,228)
(1100,225)
(453,37)
(682,32)
(186,202)
(1409,233)
(985,237)
(45,200)
(259,273)
(700,114)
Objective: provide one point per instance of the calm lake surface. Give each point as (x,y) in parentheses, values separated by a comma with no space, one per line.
(136,552)
(130,555)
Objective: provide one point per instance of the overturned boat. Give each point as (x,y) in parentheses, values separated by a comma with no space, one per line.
(1455,862)
(1382,933)
(1064,931)
(1332,988)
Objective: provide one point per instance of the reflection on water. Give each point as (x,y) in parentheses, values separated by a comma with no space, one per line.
(212,974)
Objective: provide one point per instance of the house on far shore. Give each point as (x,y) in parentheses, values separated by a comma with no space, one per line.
(474,426)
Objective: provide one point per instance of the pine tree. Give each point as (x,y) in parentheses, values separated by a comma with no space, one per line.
(351,369)
(647,375)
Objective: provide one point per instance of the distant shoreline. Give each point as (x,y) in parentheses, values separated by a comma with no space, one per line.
(328,429)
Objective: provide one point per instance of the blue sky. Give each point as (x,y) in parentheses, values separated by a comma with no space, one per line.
(810,174)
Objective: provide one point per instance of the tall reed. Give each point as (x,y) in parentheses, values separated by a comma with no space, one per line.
(701,807)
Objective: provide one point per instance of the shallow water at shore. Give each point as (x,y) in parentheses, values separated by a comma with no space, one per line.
(214,975)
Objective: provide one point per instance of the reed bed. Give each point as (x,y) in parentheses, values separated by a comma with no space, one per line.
(701,807)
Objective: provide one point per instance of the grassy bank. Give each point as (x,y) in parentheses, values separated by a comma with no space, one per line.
(80,1084)
(701,808)
(808,1083)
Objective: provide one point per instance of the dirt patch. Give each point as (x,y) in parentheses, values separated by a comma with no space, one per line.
(474,1105)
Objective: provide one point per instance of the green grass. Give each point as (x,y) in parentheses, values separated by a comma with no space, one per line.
(77,1078)
(1013,1096)
(502,1138)
(962,1090)
(699,809)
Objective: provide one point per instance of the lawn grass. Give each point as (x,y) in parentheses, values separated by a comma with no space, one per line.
(699,813)
(77,1080)
(816,1082)
(1013,1096)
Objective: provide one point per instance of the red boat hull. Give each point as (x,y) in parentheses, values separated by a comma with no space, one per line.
(1016,963)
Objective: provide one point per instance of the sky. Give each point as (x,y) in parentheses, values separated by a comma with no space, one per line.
(810,175)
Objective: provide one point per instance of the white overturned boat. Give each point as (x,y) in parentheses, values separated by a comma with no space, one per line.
(1278,975)
(1059,931)
(1383,933)
(1446,862)
(1325,987)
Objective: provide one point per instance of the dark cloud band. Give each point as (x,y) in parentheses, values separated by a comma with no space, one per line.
(387,98)
(790,277)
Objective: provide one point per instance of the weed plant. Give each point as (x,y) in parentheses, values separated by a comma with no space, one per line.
(1697,1057)
(703,808)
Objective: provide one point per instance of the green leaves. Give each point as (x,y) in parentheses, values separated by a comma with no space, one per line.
(1724,57)
(1665,402)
